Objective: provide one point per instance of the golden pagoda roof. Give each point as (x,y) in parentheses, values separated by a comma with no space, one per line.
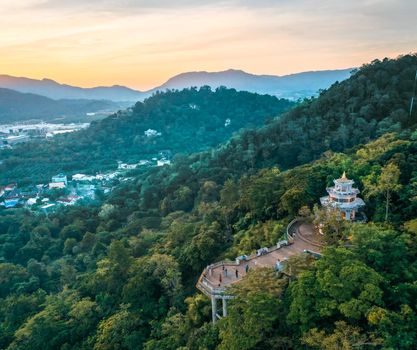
(344,178)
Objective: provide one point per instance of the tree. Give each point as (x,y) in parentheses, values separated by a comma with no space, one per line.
(411,226)
(339,286)
(306,213)
(331,224)
(259,192)
(112,271)
(344,337)
(15,310)
(120,331)
(381,248)
(209,192)
(170,335)
(386,184)
(255,313)
(229,199)
(263,234)
(64,319)
(204,247)
(11,277)
(293,199)
(154,285)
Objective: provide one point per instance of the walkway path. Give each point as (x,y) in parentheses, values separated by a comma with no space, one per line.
(214,278)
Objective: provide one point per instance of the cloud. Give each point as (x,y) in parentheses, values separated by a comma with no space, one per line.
(123,5)
(143,42)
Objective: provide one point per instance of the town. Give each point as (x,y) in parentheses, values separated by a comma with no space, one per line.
(13,134)
(63,190)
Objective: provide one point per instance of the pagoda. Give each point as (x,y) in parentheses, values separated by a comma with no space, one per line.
(343,196)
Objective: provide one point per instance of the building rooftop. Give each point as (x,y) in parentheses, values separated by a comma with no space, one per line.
(344,178)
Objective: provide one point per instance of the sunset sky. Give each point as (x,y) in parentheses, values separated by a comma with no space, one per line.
(142,43)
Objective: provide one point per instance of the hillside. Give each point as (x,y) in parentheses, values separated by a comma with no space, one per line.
(124,273)
(373,101)
(121,274)
(16,106)
(184,122)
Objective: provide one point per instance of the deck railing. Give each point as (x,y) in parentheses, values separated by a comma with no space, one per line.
(288,234)
(206,286)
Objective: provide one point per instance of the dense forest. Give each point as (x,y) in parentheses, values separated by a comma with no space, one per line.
(374,101)
(121,274)
(184,121)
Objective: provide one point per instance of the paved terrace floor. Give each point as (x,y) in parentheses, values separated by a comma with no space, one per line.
(304,239)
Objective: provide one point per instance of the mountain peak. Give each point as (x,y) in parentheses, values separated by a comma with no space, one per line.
(293,86)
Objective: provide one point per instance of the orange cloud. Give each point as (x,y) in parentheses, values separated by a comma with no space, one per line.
(142,43)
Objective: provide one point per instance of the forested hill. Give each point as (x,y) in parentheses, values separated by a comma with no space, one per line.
(373,101)
(121,275)
(184,121)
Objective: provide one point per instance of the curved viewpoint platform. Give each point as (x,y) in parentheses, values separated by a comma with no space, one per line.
(214,280)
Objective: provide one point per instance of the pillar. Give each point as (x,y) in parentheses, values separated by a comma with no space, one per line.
(213,308)
(348,215)
(224,307)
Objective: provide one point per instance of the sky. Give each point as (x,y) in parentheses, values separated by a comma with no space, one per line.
(142,43)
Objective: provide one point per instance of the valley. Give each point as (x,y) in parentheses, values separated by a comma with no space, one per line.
(208,175)
(152,202)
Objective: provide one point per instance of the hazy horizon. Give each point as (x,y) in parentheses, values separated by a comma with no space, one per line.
(170,77)
(143,43)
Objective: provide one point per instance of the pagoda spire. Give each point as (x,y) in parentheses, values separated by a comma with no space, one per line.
(344,176)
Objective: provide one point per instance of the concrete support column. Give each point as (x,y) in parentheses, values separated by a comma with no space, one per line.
(348,216)
(214,309)
(224,307)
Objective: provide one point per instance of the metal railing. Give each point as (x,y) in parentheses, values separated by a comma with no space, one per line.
(205,285)
(216,290)
(288,234)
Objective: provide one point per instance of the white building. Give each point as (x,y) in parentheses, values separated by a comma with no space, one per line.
(143,162)
(70,200)
(83,177)
(58,181)
(31,201)
(162,162)
(125,166)
(47,208)
(15,139)
(152,133)
(343,196)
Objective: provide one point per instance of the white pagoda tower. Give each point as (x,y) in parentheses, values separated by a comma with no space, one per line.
(343,197)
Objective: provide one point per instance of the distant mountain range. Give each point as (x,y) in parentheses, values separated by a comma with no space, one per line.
(16,106)
(52,89)
(291,86)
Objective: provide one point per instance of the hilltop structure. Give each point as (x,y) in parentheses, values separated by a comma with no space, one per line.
(344,197)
